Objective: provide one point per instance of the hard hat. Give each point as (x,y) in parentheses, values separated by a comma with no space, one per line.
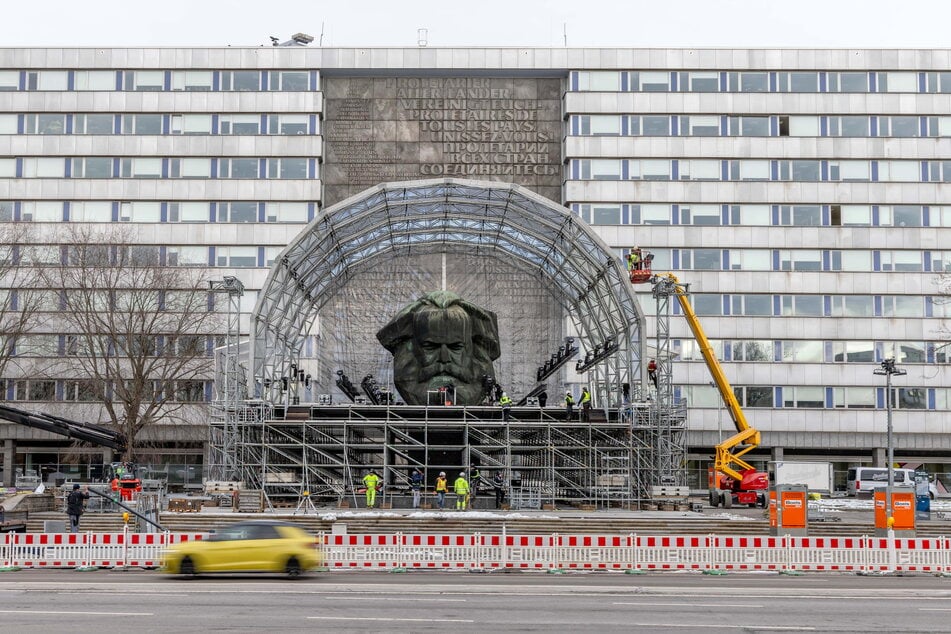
(442,473)
(568,392)
(462,474)
(504,393)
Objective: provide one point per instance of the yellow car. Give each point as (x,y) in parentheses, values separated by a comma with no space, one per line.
(254,546)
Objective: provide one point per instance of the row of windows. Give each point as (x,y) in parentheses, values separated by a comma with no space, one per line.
(53,345)
(150,211)
(808,170)
(159,124)
(147,255)
(818,351)
(192,391)
(824,397)
(764,215)
(156,167)
(856,260)
(761,81)
(765,126)
(853,306)
(161,80)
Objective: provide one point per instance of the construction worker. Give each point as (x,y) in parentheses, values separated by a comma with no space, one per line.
(474,481)
(416,484)
(634,259)
(371,480)
(585,405)
(461,488)
(506,404)
(442,487)
(569,406)
(652,372)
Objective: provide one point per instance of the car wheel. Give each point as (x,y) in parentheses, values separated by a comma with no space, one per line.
(293,568)
(187,567)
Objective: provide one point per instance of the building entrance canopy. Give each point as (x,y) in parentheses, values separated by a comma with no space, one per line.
(499,220)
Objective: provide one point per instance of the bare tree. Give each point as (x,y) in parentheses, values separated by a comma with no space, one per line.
(21,303)
(141,331)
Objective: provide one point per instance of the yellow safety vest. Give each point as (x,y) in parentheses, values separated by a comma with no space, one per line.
(441,485)
(462,486)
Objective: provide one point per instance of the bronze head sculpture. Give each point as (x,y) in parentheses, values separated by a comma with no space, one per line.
(442,340)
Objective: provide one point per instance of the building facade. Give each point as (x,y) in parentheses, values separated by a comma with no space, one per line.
(804,195)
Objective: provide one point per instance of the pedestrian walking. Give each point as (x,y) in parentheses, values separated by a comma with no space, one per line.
(75,506)
(442,486)
(416,484)
(371,481)
(585,405)
(499,483)
(461,489)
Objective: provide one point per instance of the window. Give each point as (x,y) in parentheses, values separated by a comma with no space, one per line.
(799,170)
(853,351)
(902,126)
(905,351)
(902,306)
(192,80)
(798,82)
(140,211)
(296,123)
(848,82)
(297,212)
(239,124)
(750,215)
(900,82)
(44,167)
(851,215)
(707,304)
(289,80)
(94,80)
(92,167)
(238,212)
(654,214)
(189,391)
(141,124)
(761,351)
(189,168)
(901,260)
(906,215)
(749,170)
(802,351)
(141,168)
(748,82)
(237,256)
(899,171)
(42,211)
(47,80)
(700,170)
(44,124)
(287,168)
(605,214)
(803,126)
(853,306)
(190,124)
(241,80)
(849,171)
(187,256)
(82,391)
(35,390)
(803,397)
(6,215)
(749,126)
(941,261)
(650,81)
(238,168)
(599,125)
(853,397)
(703,259)
(909,398)
(758,396)
(655,125)
(701,214)
(857,126)
(650,170)
(9,80)
(800,260)
(800,215)
(188,212)
(90,211)
(753,305)
(801,305)
(704,81)
(751,260)
(37,346)
(703,125)
(144,80)
(600,169)
(93,124)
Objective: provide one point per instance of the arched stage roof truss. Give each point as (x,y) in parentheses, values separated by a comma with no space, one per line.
(499,220)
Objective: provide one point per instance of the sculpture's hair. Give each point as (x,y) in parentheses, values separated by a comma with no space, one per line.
(485,325)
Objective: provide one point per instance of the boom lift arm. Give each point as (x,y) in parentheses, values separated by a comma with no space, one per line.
(729,453)
(87,432)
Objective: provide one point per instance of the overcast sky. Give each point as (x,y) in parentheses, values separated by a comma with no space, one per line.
(624,23)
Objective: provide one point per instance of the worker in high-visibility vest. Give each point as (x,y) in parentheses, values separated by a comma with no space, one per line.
(569,406)
(442,487)
(461,488)
(585,405)
(371,480)
(506,404)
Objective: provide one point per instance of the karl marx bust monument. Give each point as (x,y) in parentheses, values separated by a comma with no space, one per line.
(439,340)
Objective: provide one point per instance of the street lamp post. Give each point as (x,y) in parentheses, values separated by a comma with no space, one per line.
(888,369)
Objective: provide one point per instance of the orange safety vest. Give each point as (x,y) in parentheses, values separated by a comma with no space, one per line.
(441,485)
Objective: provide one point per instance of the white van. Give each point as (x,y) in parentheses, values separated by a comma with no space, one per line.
(867,479)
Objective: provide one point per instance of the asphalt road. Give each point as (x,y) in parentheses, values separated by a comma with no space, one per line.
(34,601)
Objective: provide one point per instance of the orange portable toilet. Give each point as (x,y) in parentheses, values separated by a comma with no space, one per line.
(903,511)
(788,510)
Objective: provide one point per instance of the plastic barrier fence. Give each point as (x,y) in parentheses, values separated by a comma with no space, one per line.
(519,552)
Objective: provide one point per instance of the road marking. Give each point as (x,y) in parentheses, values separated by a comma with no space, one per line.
(935,609)
(427,600)
(77,612)
(376,618)
(756,628)
(692,605)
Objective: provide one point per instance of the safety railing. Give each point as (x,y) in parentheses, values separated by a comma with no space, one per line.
(476,551)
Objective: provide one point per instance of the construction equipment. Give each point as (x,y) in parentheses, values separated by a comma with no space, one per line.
(732,479)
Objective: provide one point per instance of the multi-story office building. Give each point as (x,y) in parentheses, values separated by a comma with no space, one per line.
(802,194)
